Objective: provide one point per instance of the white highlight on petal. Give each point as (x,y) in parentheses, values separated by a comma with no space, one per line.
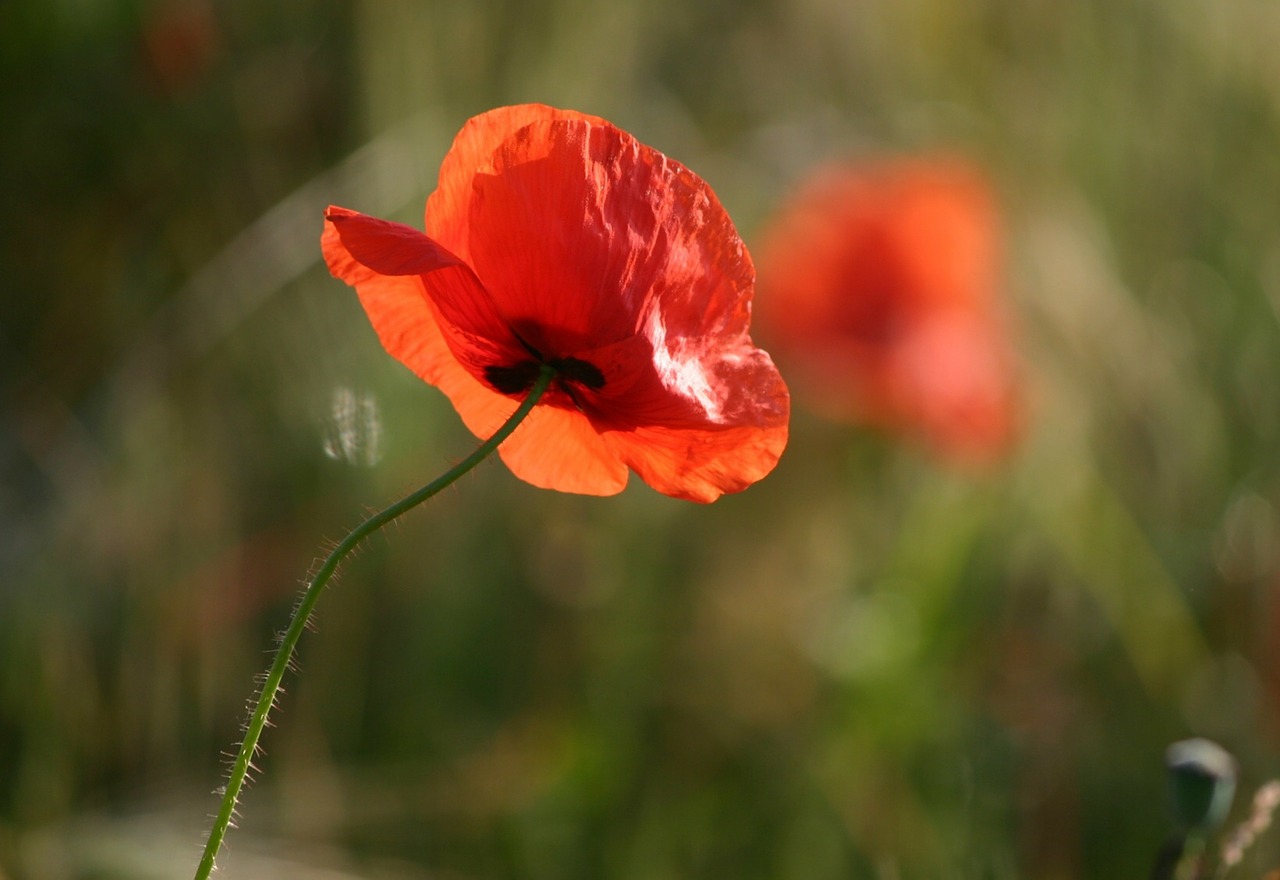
(681,369)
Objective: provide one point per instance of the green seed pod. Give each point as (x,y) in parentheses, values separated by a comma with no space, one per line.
(1202,783)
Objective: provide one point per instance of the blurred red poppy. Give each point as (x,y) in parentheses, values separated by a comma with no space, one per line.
(180,43)
(555,238)
(879,293)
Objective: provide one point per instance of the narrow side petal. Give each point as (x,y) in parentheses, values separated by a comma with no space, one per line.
(470,324)
(388,248)
(410,331)
(553,448)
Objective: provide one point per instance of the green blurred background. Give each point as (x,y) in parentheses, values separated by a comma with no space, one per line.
(868,665)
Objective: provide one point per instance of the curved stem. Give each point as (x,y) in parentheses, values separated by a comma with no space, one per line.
(301,614)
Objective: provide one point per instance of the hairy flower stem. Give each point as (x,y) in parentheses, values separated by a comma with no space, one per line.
(302,612)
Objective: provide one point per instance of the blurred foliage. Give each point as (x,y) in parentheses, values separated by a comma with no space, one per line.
(870,665)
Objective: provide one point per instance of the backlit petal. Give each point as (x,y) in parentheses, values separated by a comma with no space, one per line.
(449,206)
(559,449)
(474,331)
(409,330)
(579,231)
(702,455)
(553,448)
(700,465)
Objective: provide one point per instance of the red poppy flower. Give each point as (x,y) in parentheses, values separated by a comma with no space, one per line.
(555,238)
(878,295)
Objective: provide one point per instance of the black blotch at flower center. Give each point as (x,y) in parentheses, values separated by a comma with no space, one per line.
(514,378)
(579,371)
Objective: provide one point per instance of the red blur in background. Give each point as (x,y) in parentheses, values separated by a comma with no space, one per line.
(879,297)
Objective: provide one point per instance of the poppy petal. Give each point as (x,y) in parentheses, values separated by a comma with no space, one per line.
(579,230)
(553,448)
(474,331)
(700,454)
(700,465)
(389,248)
(560,449)
(410,331)
(448,207)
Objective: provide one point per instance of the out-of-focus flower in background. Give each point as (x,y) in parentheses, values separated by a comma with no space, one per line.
(180,43)
(879,289)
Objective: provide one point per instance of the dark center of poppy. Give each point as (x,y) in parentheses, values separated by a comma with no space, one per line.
(514,378)
(577,370)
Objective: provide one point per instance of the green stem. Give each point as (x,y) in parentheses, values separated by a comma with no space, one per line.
(301,614)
